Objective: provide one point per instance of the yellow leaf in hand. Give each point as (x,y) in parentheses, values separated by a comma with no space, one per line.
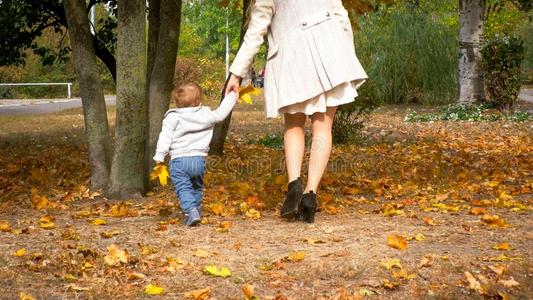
(247,92)
(215,271)
(151,289)
(160,172)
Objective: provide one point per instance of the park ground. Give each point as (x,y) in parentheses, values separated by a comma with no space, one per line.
(438,210)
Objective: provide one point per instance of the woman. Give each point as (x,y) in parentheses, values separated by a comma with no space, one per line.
(311,69)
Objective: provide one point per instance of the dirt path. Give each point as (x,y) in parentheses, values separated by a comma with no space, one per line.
(342,252)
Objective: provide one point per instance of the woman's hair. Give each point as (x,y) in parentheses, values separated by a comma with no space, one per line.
(187,94)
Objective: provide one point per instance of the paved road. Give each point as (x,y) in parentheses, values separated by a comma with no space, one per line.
(43,106)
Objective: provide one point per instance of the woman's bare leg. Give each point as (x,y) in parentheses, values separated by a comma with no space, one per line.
(294,141)
(320,147)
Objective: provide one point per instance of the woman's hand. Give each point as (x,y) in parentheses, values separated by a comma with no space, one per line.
(234,85)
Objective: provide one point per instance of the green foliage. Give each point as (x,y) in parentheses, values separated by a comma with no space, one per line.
(466,112)
(271,140)
(502,58)
(410,55)
(350,118)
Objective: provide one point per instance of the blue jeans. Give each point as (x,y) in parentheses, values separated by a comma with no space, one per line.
(187,174)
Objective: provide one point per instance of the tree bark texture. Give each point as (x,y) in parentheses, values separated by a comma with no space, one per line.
(92,96)
(470,41)
(221,129)
(127,171)
(162,70)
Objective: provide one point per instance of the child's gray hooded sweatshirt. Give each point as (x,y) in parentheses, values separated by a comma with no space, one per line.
(188,131)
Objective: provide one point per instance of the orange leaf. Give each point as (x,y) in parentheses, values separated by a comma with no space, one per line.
(397,242)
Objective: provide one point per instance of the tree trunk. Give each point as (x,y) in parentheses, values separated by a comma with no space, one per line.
(162,73)
(92,96)
(220,132)
(127,170)
(470,40)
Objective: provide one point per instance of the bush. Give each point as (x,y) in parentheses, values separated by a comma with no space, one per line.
(409,54)
(350,118)
(502,58)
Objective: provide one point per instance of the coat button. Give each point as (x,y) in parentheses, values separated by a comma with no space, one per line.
(304,24)
(327,14)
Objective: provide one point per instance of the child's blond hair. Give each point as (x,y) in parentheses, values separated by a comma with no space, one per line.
(187,94)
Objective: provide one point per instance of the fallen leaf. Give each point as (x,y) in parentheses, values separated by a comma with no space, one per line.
(201,294)
(478,211)
(397,241)
(201,253)
(390,263)
(509,283)
(135,275)
(429,221)
(426,261)
(24,296)
(498,269)
(402,274)
(4,226)
(224,226)
(502,246)
(151,289)
(47,222)
(20,252)
(248,291)
(312,241)
(160,172)
(474,283)
(109,234)
(115,256)
(98,222)
(215,271)
(253,214)
(296,256)
(494,221)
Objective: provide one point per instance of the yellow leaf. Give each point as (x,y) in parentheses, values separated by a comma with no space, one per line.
(115,256)
(390,263)
(247,92)
(201,294)
(98,222)
(215,271)
(502,246)
(402,274)
(296,256)
(248,291)
(426,261)
(224,226)
(160,172)
(24,296)
(253,214)
(135,275)
(201,253)
(4,226)
(40,202)
(20,252)
(478,211)
(109,234)
(47,222)
(397,241)
(151,289)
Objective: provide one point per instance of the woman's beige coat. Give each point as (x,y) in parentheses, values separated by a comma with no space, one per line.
(311,50)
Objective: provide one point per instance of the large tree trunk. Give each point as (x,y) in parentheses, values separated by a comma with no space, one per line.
(127,170)
(163,64)
(92,96)
(470,40)
(220,132)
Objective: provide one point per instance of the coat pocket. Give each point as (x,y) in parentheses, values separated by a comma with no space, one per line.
(315,19)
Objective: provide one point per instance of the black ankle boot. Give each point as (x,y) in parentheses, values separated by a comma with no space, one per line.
(293,198)
(308,207)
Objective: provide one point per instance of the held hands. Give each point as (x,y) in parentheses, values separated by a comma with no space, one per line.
(234,85)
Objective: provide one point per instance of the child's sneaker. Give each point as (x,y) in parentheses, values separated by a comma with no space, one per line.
(193,217)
